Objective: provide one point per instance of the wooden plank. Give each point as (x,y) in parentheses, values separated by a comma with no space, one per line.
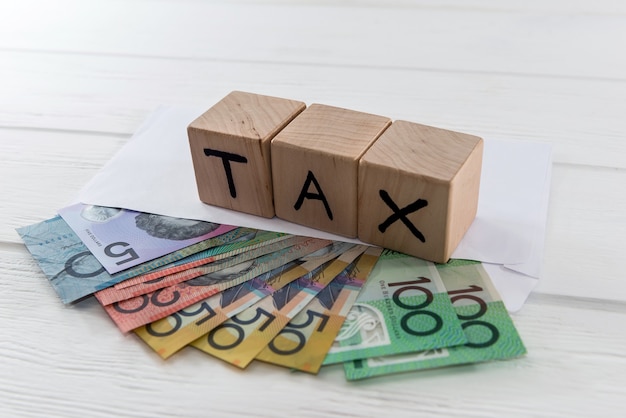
(114,95)
(43,170)
(72,361)
(454,40)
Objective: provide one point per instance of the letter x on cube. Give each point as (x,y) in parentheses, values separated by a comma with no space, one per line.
(418,189)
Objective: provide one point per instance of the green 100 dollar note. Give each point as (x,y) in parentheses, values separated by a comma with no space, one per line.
(304,342)
(489,329)
(402,308)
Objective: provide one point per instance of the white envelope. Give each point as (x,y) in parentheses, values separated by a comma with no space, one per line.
(154,173)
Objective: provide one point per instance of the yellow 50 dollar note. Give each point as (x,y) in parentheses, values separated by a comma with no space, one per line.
(239,340)
(170,334)
(304,342)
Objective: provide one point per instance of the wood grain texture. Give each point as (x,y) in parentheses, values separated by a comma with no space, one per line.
(230,148)
(418,189)
(315,163)
(77,79)
(524,107)
(526,42)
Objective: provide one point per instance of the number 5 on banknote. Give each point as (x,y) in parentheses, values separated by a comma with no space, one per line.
(304,342)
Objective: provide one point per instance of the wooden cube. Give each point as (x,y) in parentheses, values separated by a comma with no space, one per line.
(418,189)
(315,166)
(230,149)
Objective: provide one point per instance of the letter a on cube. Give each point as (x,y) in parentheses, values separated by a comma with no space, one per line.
(230,148)
(315,166)
(418,189)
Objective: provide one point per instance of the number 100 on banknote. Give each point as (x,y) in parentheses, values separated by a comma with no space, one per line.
(403,307)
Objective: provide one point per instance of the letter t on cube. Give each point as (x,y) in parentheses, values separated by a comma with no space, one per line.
(418,189)
(230,148)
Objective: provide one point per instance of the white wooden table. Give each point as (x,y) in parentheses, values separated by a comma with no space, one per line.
(78,77)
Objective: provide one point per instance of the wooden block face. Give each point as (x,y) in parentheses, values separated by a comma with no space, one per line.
(418,189)
(230,148)
(315,166)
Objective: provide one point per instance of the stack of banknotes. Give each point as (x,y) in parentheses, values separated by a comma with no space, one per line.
(241,294)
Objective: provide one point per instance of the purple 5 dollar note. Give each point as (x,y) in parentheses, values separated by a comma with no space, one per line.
(122,238)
